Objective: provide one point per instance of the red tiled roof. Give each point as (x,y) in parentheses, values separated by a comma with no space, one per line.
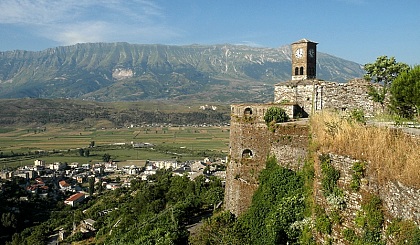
(63,183)
(76,196)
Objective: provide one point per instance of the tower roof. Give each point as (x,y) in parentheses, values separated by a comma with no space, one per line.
(304,40)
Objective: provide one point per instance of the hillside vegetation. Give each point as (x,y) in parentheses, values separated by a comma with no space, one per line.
(391,154)
(157,211)
(276,215)
(95,114)
(128,72)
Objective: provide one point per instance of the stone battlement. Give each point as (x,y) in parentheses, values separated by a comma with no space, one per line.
(257,111)
(315,95)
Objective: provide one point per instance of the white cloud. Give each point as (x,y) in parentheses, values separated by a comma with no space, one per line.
(70,22)
(250,43)
(38,12)
(80,33)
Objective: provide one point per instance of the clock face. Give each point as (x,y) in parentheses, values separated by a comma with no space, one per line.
(311,53)
(299,53)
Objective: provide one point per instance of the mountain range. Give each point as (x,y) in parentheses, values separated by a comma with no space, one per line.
(134,72)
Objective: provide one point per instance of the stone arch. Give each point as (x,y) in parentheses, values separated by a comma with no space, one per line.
(296,71)
(248,111)
(301,70)
(247,153)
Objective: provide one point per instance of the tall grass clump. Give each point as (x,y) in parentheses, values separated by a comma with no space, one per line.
(389,153)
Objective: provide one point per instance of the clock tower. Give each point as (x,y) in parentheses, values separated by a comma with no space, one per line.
(303,60)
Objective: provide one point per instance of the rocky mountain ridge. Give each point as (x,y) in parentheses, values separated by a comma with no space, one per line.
(132,72)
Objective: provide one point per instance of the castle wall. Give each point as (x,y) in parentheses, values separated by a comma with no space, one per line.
(398,200)
(315,95)
(248,131)
(250,144)
(289,143)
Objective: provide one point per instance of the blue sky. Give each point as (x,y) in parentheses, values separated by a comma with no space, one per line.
(357,30)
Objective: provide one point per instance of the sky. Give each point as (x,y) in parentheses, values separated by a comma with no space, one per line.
(356,30)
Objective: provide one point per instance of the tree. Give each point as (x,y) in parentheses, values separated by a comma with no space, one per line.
(383,71)
(87,153)
(218,229)
(275,114)
(180,188)
(91,186)
(405,91)
(8,220)
(106,157)
(213,196)
(81,152)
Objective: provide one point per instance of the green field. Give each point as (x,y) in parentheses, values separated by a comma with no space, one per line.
(61,144)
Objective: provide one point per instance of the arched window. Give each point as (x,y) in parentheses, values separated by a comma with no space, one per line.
(248,111)
(301,70)
(296,71)
(247,153)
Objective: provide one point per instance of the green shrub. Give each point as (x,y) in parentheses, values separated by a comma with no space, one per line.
(336,217)
(78,236)
(357,175)
(306,237)
(276,205)
(323,224)
(404,232)
(336,199)
(275,114)
(371,218)
(358,115)
(329,176)
(350,235)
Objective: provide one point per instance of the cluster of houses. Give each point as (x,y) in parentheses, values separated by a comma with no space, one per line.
(72,180)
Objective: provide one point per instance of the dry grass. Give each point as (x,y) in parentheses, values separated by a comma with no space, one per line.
(391,154)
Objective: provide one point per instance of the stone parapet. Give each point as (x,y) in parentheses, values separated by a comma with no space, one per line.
(314,95)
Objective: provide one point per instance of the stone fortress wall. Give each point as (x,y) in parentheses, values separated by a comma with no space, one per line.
(249,132)
(314,95)
(250,143)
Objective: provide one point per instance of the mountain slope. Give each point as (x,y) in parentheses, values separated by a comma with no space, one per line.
(129,72)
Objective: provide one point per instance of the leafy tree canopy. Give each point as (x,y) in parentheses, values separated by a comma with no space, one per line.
(106,157)
(405,91)
(383,71)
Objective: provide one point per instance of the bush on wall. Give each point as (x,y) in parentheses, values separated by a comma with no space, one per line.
(276,115)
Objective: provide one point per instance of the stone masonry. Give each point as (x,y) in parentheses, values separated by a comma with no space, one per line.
(399,201)
(250,144)
(314,95)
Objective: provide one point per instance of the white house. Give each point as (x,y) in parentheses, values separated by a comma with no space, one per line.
(75,199)
(64,186)
(74,165)
(57,166)
(39,163)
